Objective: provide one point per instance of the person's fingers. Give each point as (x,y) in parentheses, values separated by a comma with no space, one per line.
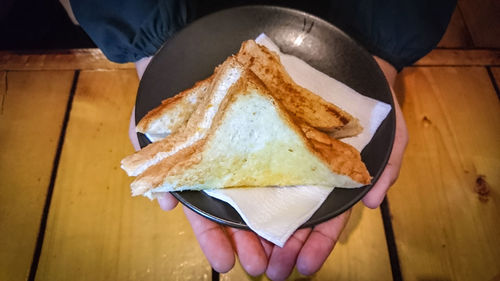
(213,241)
(267,246)
(320,243)
(283,260)
(166,201)
(140,66)
(376,195)
(132,133)
(249,250)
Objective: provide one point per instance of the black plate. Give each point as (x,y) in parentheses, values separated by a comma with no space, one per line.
(192,54)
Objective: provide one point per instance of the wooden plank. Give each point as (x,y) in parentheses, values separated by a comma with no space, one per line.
(59,60)
(456,35)
(32,110)
(88,59)
(96,230)
(483,21)
(446,202)
(360,254)
(456,57)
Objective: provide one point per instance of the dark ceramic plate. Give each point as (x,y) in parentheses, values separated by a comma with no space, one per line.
(192,54)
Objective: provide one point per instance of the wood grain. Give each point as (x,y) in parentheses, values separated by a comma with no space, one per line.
(483,21)
(96,230)
(32,110)
(446,202)
(92,59)
(59,60)
(458,57)
(360,254)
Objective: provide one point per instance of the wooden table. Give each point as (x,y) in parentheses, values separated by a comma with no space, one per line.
(66,212)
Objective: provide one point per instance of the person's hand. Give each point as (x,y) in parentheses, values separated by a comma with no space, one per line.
(391,172)
(307,249)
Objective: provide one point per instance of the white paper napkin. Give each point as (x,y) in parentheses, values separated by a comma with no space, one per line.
(275,213)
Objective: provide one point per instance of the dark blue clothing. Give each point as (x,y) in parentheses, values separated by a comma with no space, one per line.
(128,30)
(399,31)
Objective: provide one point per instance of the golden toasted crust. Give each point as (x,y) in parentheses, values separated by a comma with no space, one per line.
(154,174)
(180,107)
(341,157)
(307,106)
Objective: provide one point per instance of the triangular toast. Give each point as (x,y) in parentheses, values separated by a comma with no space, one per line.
(308,107)
(195,128)
(254,141)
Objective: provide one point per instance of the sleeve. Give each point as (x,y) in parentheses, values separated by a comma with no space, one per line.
(398,31)
(128,30)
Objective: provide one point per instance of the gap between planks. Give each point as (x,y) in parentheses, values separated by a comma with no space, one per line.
(50,189)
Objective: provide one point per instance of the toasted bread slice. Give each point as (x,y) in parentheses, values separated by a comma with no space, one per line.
(310,108)
(302,103)
(254,141)
(173,112)
(195,128)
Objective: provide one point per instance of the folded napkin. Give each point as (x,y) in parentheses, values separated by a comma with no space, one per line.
(275,213)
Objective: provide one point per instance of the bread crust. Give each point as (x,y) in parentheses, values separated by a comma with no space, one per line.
(179,107)
(341,157)
(305,105)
